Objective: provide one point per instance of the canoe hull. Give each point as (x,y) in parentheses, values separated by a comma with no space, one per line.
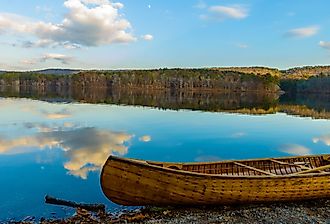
(131,183)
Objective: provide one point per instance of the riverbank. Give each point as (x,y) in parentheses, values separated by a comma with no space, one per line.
(299,212)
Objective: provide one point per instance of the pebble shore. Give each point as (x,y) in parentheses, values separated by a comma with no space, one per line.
(317,211)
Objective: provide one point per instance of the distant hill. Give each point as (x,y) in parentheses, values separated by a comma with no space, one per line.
(51,71)
(306,72)
(252,70)
(57,71)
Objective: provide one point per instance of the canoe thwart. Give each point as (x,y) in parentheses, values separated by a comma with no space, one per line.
(321,168)
(254,169)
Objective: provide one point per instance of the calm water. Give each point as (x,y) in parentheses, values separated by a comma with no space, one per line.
(59,148)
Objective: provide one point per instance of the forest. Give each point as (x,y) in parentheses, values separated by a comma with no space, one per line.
(307,79)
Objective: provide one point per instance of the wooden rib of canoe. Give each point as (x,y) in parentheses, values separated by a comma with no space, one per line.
(136,182)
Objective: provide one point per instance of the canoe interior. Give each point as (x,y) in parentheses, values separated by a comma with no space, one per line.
(273,167)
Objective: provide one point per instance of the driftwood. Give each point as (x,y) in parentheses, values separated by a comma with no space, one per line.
(88,207)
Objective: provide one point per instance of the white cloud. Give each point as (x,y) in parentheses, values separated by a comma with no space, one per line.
(148,37)
(87,23)
(294,149)
(64,59)
(325,45)
(303,32)
(229,12)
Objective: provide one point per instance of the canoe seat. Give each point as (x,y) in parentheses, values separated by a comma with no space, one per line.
(173,167)
(326,159)
(170,166)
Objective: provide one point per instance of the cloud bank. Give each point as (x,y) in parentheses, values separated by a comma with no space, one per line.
(87,23)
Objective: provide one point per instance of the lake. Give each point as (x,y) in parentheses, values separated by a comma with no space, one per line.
(58,147)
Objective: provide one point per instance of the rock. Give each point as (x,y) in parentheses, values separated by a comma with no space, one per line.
(166,212)
(28,219)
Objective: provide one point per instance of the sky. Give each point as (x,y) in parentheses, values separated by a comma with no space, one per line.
(128,34)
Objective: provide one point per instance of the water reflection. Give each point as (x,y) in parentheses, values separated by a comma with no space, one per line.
(207,158)
(238,135)
(59,148)
(145,138)
(304,105)
(324,139)
(52,115)
(57,115)
(247,102)
(295,150)
(86,149)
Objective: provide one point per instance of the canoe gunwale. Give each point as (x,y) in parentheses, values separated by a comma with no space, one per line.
(228,161)
(149,165)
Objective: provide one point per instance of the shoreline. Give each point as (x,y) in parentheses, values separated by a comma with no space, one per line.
(315,211)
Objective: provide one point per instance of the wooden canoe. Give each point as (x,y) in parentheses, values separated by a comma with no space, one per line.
(136,182)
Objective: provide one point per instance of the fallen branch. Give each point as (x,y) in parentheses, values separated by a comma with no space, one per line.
(88,207)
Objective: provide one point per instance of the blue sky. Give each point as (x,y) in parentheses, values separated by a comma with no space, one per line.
(105,34)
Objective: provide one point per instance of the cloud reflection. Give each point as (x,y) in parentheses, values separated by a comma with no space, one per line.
(52,115)
(43,127)
(64,113)
(296,150)
(86,148)
(324,138)
(238,135)
(145,138)
(207,158)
